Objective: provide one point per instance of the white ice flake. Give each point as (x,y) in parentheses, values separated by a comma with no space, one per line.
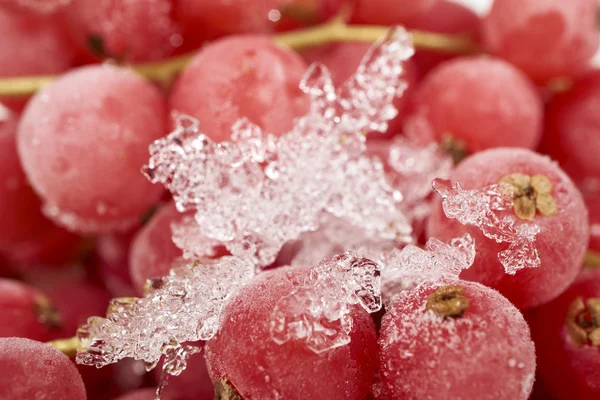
(259,191)
(478,207)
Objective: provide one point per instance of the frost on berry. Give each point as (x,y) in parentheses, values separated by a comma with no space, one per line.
(411,266)
(479,207)
(319,311)
(259,191)
(182,307)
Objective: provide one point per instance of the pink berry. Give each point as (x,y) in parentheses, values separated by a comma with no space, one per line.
(455,340)
(152,250)
(140,394)
(76,300)
(32,45)
(573,129)
(561,242)
(83,139)
(243,356)
(480,103)
(112,261)
(193,383)
(27,311)
(445,17)
(27,237)
(241,76)
(389,12)
(30,370)
(566,332)
(593,205)
(544,38)
(141,30)
(35,6)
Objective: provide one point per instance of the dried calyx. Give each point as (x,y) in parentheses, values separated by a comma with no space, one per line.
(47,314)
(530,193)
(457,149)
(583,321)
(448,301)
(225,391)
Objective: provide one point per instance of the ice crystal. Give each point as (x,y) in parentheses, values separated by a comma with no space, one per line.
(407,268)
(319,311)
(259,191)
(479,207)
(184,306)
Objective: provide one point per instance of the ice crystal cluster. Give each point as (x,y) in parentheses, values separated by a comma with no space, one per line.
(184,306)
(259,191)
(256,193)
(319,311)
(480,207)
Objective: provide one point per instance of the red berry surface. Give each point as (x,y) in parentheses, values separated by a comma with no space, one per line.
(194,383)
(31,370)
(27,311)
(87,186)
(544,38)
(573,129)
(112,261)
(386,12)
(27,237)
(241,76)
(481,102)
(141,394)
(152,250)
(569,362)
(141,30)
(561,242)
(455,340)
(445,17)
(243,354)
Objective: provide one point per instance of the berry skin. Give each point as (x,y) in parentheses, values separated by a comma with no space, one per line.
(27,237)
(573,129)
(135,31)
(593,205)
(141,394)
(386,12)
(152,249)
(561,242)
(87,187)
(568,366)
(241,76)
(445,17)
(455,340)
(544,38)
(27,312)
(480,103)
(31,370)
(243,354)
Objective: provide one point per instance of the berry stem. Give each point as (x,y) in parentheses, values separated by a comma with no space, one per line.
(69,346)
(164,71)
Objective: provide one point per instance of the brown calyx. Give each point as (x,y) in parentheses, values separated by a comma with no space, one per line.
(448,301)
(225,391)
(46,312)
(530,194)
(583,321)
(457,149)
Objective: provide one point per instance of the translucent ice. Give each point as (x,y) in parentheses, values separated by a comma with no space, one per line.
(184,306)
(319,311)
(478,207)
(407,268)
(260,191)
